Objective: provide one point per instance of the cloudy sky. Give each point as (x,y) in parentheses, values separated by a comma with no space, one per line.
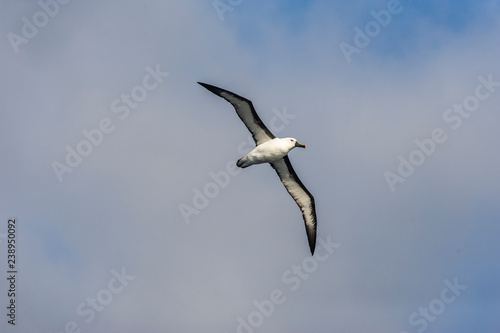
(130,216)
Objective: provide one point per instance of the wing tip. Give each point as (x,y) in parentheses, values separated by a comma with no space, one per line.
(312,241)
(211,88)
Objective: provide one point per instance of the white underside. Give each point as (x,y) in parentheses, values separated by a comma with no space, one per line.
(266,152)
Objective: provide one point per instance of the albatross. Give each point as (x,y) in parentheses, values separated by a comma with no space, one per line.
(272,150)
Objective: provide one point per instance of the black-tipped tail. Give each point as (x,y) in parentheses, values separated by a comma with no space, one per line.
(241,162)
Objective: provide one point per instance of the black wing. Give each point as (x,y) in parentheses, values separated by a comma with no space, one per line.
(300,194)
(246,112)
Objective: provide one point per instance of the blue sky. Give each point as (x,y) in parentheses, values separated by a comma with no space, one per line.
(401,158)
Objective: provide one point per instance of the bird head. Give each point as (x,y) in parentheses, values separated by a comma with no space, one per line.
(294,143)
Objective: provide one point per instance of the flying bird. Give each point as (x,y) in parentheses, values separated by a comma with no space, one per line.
(273,150)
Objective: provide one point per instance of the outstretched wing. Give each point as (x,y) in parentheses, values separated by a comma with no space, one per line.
(246,112)
(300,194)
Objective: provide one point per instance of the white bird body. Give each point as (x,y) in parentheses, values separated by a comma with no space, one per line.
(268,151)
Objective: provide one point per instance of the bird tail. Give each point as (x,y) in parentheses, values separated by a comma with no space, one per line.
(242,162)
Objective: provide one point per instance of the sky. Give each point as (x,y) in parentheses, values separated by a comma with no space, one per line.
(127,213)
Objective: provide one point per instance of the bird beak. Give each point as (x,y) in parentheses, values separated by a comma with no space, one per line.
(297,144)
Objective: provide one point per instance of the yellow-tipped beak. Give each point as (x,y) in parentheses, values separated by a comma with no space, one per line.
(297,144)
